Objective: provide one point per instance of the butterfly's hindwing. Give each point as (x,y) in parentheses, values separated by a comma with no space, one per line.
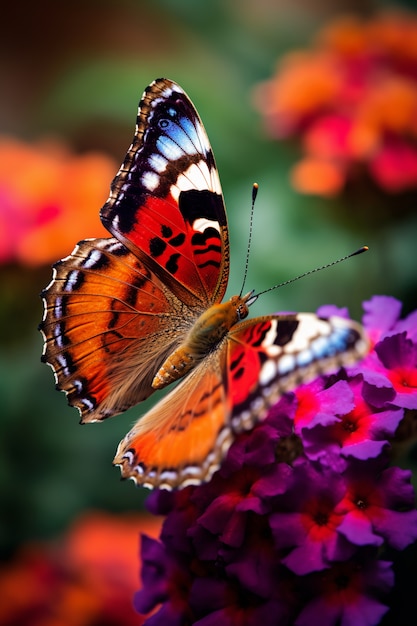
(184,438)
(274,354)
(107,328)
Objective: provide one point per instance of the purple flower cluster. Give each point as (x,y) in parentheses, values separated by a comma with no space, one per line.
(290,530)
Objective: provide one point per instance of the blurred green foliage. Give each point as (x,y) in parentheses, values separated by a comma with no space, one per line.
(77,70)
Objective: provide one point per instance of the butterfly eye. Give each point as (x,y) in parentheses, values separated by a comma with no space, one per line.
(242,311)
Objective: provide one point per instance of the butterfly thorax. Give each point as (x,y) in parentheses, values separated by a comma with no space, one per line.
(205,335)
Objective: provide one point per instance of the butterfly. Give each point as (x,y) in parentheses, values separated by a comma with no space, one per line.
(131,314)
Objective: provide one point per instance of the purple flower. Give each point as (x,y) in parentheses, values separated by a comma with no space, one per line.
(165,581)
(378,506)
(290,530)
(311,529)
(349,594)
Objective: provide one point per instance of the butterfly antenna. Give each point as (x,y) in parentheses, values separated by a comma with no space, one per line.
(255,188)
(317,269)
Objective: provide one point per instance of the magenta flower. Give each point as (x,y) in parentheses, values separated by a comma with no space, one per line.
(291,530)
(396,359)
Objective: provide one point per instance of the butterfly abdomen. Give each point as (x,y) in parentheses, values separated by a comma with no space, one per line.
(205,335)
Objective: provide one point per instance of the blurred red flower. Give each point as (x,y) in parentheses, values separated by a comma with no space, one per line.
(86,579)
(49,198)
(352,99)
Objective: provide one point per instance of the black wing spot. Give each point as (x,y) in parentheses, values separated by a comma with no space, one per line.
(196,203)
(131,293)
(178,240)
(237,362)
(200,239)
(113,320)
(212,248)
(285,331)
(212,262)
(238,373)
(166,231)
(172,263)
(257,333)
(157,246)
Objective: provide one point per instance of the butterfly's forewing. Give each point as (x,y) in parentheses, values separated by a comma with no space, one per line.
(166,203)
(184,438)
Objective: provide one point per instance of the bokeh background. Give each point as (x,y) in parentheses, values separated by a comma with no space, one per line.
(71,77)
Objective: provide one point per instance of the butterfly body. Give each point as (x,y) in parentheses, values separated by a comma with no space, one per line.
(205,335)
(128,315)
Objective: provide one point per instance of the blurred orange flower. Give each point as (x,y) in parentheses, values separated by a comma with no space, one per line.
(353,101)
(88,578)
(49,199)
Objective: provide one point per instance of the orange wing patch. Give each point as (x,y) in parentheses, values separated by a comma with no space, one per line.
(105,323)
(182,440)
